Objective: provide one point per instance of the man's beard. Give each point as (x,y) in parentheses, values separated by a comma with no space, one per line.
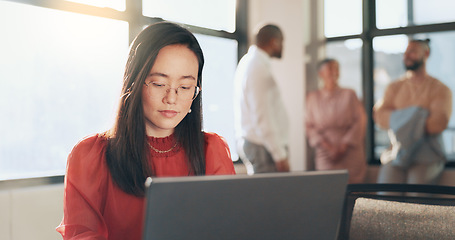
(277,54)
(414,66)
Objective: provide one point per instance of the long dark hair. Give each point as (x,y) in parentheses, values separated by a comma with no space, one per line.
(127,154)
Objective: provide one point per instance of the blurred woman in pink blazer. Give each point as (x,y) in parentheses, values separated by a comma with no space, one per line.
(335,125)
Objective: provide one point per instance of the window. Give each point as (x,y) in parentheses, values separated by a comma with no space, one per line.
(391,13)
(402,13)
(384,41)
(114,4)
(348,54)
(218,87)
(342,17)
(435,11)
(218,15)
(388,59)
(388,66)
(61,75)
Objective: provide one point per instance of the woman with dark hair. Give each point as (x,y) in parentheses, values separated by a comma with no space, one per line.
(158,132)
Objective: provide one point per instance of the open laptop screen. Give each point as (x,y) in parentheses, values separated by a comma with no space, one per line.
(297,205)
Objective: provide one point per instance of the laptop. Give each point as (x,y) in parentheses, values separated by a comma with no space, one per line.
(296,205)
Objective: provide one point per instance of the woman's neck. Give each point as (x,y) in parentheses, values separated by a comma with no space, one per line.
(158,133)
(330,88)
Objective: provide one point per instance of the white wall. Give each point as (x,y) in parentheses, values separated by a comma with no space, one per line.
(31,212)
(289,71)
(5,215)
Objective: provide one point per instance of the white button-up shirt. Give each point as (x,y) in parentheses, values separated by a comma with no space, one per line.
(260,114)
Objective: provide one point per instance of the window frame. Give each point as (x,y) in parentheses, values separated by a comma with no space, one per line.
(369,32)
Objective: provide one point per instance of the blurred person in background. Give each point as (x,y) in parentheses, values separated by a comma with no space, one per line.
(261,119)
(336,124)
(415,109)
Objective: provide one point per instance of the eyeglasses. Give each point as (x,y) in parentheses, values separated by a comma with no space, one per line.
(184,92)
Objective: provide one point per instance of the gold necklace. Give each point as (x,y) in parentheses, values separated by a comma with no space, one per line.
(161,151)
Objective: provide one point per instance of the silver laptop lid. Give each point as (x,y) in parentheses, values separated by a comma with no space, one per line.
(296,205)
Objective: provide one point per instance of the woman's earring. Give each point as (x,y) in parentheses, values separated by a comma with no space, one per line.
(189,111)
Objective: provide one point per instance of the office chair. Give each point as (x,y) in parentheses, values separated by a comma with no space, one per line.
(371,214)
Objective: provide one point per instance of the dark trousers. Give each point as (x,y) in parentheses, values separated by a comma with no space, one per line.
(258,156)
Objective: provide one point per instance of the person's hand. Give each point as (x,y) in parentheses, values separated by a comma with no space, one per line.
(326,145)
(330,149)
(341,150)
(338,152)
(334,152)
(282,165)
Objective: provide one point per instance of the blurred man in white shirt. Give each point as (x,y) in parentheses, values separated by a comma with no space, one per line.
(261,119)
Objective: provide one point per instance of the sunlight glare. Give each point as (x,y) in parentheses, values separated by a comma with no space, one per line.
(114,4)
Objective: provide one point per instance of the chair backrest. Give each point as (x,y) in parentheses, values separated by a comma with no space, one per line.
(369,213)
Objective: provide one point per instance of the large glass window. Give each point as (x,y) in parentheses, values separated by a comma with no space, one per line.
(218,86)
(114,4)
(218,15)
(402,13)
(342,17)
(61,76)
(389,67)
(434,11)
(391,13)
(61,73)
(348,54)
(388,64)
(385,41)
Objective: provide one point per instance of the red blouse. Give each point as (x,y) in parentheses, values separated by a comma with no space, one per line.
(95,208)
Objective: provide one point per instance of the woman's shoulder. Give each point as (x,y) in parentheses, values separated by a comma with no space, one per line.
(211,137)
(215,143)
(90,143)
(87,174)
(218,155)
(89,151)
(313,95)
(349,92)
